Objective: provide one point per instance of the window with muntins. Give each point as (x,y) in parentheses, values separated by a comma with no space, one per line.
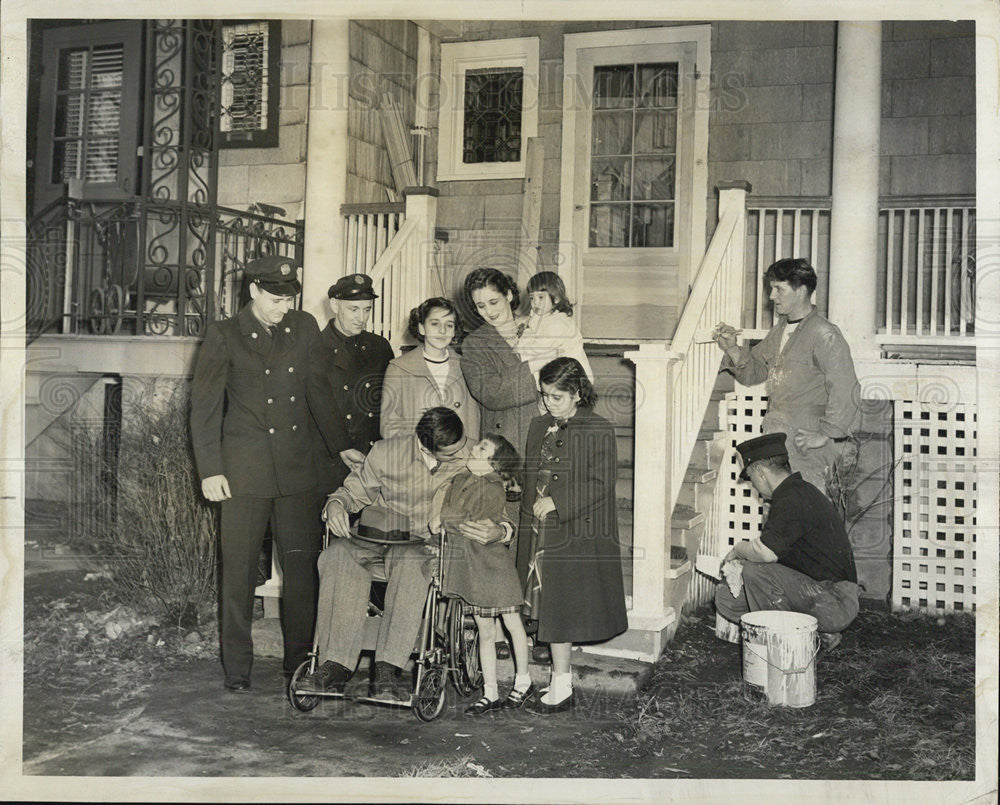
(248,114)
(489,108)
(88,114)
(634,155)
(492,122)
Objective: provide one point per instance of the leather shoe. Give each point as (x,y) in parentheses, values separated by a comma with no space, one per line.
(330,677)
(483,705)
(238,685)
(539,708)
(516,698)
(389,685)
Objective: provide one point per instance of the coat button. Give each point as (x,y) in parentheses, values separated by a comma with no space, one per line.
(370,414)
(557,459)
(270,430)
(270,400)
(348,416)
(555,477)
(292,398)
(367,385)
(253,335)
(295,427)
(559,442)
(291,368)
(346,387)
(499,426)
(288,329)
(458,405)
(267,371)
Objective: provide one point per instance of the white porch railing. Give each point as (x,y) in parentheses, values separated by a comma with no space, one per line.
(779,227)
(673,385)
(927,262)
(394,244)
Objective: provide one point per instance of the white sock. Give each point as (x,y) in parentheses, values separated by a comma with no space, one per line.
(491,692)
(522,682)
(560,688)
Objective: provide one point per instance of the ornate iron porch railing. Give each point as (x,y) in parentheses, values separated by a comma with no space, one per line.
(114,269)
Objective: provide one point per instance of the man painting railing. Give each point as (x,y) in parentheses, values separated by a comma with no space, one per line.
(806,363)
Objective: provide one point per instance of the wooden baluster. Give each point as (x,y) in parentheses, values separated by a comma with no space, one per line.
(890,254)
(964,297)
(370,237)
(904,277)
(797,232)
(948,271)
(933,315)
(759,286)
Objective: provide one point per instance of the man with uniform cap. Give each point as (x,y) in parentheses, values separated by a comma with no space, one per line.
(802,561)
(258,395)
(357,360)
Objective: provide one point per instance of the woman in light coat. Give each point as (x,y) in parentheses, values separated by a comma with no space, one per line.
(428,375)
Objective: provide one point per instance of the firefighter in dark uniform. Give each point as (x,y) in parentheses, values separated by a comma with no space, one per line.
(258,396)
(358,364)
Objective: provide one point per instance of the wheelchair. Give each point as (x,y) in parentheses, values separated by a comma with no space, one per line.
(447,648)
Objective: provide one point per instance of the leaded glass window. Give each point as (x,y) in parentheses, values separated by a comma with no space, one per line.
(87,114)
(492,121)
(633,156)
(248,105)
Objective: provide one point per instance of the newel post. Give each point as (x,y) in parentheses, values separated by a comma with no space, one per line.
(421,207)
(649,614)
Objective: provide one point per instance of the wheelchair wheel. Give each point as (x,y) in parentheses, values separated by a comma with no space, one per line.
(429,696)
(463,648)
(301,702)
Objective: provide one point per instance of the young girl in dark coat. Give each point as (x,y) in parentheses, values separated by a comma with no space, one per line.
(483,575)
(568,538)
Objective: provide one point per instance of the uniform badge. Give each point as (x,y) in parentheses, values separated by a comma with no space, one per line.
(286,269)
(358,279)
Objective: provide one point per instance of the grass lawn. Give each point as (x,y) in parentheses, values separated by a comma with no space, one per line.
(895,701)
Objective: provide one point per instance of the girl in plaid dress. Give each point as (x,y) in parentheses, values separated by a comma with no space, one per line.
(484,575)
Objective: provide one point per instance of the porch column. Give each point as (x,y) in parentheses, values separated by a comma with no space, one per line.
(651,622)
(326,167)
(854,216)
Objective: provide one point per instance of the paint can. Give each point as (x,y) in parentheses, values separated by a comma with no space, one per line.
(779,656)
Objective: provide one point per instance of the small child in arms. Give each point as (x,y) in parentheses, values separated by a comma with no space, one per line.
(549,330)
(484,575)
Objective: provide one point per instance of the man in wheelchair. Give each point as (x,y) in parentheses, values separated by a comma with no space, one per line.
(393,490)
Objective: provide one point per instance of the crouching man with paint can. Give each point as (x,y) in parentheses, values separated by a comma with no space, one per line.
(802,561)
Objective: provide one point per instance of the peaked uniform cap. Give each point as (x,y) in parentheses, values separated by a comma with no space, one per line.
(275,274)
(353,286)
(760,447)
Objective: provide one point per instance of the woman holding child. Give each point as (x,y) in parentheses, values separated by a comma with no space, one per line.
(494,372)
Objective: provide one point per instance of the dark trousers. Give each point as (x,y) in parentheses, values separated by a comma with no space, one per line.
(834,604)
(297,532)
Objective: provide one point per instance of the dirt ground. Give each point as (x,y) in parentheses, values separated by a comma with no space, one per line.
(895,701)
(181,722)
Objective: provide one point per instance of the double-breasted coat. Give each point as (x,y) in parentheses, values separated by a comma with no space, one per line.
(409,390)
(502,383)
(356,367)
(256,403)
(582,594)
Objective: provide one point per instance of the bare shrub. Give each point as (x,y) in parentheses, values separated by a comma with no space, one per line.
(148,520)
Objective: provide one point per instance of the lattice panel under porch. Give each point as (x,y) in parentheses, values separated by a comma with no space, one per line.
(934,519)
(741,512)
